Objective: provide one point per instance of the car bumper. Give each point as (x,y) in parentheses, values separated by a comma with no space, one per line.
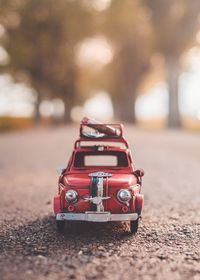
(96,217)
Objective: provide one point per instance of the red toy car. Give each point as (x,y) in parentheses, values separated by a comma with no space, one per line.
(100,182)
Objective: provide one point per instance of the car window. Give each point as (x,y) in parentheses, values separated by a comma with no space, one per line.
(106,160)
(91,159)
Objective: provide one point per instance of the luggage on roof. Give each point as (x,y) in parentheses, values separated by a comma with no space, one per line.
(93,129)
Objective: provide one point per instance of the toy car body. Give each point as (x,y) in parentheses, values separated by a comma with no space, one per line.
(100,182)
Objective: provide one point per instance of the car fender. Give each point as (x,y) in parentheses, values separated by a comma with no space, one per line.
(139,201)
(56,204)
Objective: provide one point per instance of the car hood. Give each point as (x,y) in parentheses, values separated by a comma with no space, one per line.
(82,180)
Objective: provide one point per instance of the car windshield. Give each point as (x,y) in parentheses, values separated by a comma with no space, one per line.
(100,159)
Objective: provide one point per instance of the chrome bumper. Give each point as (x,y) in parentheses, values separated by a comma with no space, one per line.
(96,217)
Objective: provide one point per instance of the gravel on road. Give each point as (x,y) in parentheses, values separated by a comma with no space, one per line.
(167,245)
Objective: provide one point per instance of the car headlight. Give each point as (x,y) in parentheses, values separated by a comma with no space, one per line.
(124,195)
(71,196)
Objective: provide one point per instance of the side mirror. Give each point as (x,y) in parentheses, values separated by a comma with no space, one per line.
(60,170)
(139,172)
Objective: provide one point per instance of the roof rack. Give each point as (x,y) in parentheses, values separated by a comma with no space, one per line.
(111,142)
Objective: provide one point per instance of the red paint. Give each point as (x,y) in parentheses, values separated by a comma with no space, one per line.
(139,201)
(125,209)
(122,177)
(56,204)
(71,208)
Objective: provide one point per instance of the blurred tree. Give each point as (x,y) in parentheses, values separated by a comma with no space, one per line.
(175,24)
(41,40)
(127,26)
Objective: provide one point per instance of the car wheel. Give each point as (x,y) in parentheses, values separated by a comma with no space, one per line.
(134,226)
(60,226)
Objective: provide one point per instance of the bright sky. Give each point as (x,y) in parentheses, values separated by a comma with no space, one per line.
(17,99)
(94,51)
(98,5)
(98,107)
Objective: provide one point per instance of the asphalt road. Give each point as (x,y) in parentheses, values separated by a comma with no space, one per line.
(167,245)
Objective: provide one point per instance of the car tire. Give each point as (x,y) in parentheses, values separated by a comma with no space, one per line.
(60,225)
(134,226)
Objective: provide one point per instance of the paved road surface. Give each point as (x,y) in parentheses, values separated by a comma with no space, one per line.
(167,245)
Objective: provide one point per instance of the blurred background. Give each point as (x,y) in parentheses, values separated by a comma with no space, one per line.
(137,61)
(133,61)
